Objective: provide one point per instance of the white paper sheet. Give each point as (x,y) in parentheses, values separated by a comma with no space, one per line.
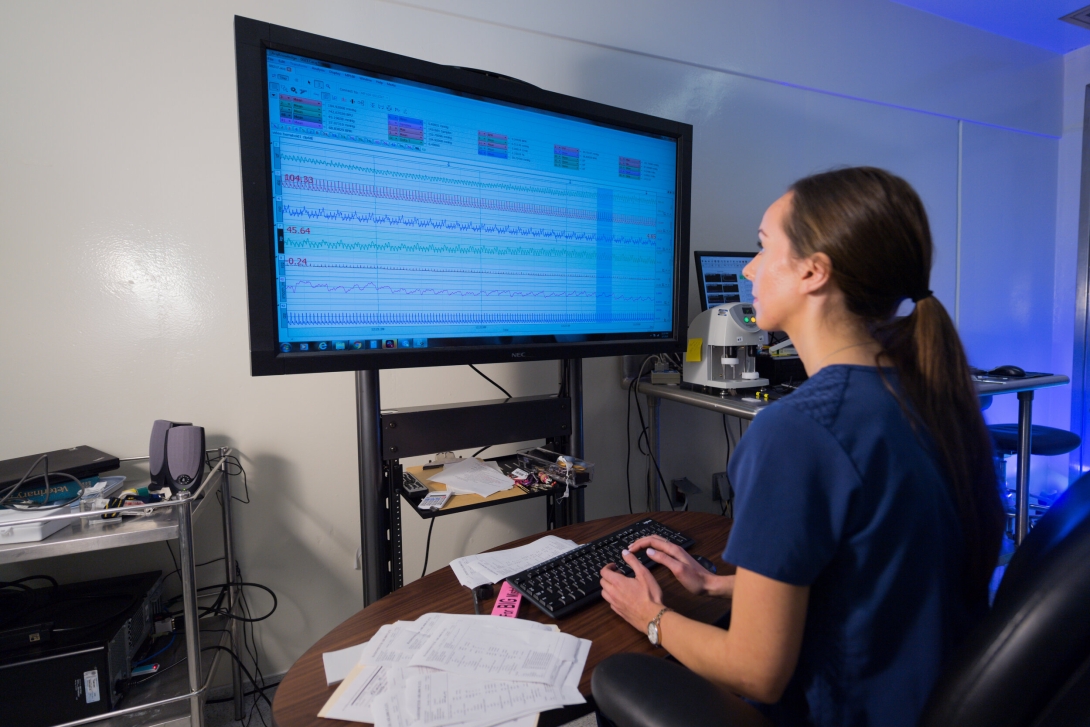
(443,699)
(390,710)
(339,663)
(395,644)
(473,477)
(481,650)
(569,688)
(380,692)
(476,570)
(353,701)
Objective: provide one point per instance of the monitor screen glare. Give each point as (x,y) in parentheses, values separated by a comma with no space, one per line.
(410,216)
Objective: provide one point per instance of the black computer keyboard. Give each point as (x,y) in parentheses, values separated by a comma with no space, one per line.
(569,582)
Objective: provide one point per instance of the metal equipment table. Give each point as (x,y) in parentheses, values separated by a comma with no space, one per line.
(165,702)
(748,408)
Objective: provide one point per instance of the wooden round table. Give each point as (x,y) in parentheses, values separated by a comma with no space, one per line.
(303,690)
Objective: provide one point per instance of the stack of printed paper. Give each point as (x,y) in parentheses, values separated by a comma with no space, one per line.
(469,671)
(476,570)
(473,477)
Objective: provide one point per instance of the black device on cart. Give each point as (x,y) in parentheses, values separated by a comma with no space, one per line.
(66,651)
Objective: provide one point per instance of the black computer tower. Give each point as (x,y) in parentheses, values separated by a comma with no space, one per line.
(66,652)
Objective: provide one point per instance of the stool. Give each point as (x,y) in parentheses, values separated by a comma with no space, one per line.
(1046,441)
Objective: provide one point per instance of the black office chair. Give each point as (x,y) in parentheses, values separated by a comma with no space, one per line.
(1026,665)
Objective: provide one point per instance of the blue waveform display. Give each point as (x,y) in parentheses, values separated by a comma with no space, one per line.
(429,223)
(392,229)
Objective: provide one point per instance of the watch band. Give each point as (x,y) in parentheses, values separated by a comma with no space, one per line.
(653,629)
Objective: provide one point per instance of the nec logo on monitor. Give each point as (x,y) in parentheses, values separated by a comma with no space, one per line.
(518,354)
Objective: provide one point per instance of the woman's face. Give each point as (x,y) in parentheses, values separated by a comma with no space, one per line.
(775,270)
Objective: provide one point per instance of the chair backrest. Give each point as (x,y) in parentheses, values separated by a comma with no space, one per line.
(1028,661)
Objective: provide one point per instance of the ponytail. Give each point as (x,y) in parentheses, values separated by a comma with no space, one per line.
(934,374)
(874,229)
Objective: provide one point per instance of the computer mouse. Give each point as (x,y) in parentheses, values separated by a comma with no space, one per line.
(1009,370)
(708,565)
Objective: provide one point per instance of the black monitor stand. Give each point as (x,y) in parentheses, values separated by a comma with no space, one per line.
(384,439)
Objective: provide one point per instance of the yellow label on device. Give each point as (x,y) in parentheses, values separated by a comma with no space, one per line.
(695,352)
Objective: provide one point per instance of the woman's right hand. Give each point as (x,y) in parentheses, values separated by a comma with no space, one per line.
(689,573)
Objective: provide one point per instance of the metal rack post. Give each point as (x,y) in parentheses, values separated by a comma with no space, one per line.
(189,598)
(232,586)
(653,423)
(374,500)
(1025,439)
(577,499)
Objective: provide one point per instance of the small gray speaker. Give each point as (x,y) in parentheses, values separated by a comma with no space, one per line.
(157,452)
(184,457)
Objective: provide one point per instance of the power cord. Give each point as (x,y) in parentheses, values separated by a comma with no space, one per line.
(427,548)
(44,505)
(232,461)
(644,437)
(726,467)
(177,569)
(489,380)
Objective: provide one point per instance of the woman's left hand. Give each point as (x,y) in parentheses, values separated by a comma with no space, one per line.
(637,600)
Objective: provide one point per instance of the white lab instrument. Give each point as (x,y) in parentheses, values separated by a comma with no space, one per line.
(722,351)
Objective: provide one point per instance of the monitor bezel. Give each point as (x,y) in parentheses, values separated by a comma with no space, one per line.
(253,38)
(698,257)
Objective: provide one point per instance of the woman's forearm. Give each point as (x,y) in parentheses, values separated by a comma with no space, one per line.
(757,655)
(719,586)
(706,650)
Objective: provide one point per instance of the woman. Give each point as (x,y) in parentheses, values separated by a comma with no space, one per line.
(867,516)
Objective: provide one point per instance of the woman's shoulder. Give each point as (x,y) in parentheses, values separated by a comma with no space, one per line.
(820,396)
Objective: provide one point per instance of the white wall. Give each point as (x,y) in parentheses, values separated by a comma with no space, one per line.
(123,285)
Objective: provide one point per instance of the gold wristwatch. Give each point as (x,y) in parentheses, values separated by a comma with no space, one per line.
(653,628)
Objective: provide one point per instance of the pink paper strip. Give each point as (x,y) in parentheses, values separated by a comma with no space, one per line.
(508,602)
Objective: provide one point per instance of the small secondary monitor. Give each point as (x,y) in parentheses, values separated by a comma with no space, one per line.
(720,280)
(402,213)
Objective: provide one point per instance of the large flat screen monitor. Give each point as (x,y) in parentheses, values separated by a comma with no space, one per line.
(720,280)
(402,213)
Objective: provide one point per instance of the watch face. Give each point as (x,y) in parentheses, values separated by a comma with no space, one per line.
(653,633)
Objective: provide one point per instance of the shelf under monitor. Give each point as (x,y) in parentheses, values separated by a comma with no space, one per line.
(464,503)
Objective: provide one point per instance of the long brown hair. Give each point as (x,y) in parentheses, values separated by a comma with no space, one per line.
(874,229)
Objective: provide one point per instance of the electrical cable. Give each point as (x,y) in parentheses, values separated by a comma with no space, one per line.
(481,449)
(654,460)
(45,490)
(224,700)
(232,461)
(726,467)
(489,380)
(646,439)
(149,658)
(177,568)
(24,579)
(427,548)
(241,666)
(628,434)
(218,610)
(628,444)
(250,646)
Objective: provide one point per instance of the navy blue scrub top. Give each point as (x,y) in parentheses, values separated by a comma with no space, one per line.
(835,490)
